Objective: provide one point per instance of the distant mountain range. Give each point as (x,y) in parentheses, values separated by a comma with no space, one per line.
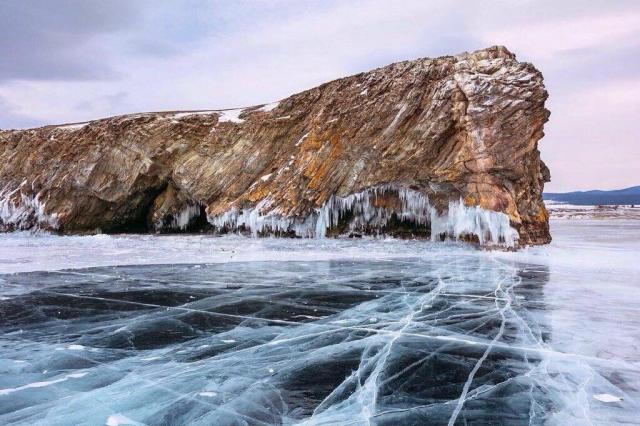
(619,196)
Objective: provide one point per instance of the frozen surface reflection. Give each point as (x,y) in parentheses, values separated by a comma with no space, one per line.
(444,339)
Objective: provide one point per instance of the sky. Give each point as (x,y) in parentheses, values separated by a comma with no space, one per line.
(67,61)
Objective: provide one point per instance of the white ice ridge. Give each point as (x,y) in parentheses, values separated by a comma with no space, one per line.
(363,212)
(22,211)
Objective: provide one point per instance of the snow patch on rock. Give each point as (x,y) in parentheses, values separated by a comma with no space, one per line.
(269,107)
(74,126)
(230,115)
(190,113)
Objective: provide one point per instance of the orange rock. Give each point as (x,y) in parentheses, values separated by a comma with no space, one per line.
(452,128)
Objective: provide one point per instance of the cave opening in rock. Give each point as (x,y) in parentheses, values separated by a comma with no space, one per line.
(395,226)
(135,219)
(384,210)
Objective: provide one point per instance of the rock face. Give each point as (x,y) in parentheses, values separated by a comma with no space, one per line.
(439,148)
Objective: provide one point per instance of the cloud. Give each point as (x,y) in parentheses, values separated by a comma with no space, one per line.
(14,120)
(49,40)
(221,56)
(594,143)
(108,102)
(559,37)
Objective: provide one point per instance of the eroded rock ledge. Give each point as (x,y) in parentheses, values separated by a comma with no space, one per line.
(439,148)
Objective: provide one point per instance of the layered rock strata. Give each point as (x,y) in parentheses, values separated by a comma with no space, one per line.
(439,148)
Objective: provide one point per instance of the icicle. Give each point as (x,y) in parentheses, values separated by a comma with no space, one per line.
(459,221)
(22,213)
(183,218)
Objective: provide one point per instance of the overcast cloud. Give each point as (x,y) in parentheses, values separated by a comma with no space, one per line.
(65,61)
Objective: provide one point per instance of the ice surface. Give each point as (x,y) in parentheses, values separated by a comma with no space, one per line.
(118,419)
(559,210)
(23,251)
(334,331)
(605,397)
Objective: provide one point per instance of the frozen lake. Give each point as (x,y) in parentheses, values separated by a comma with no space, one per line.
(164,330)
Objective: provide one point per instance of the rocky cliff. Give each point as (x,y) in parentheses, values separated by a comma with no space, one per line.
(440,148)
